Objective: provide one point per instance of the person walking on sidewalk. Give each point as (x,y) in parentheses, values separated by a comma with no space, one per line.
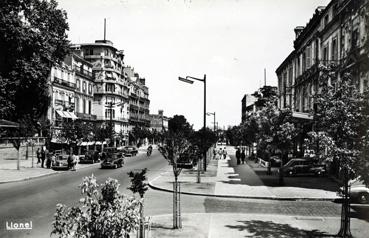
(43,157)
(238,156)
(243,156)
(38,154)
(224,153)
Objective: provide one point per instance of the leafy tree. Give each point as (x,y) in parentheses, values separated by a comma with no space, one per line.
(342,113)
(103,213)
(33,37)
(175,144)
(138,185)
(264,95)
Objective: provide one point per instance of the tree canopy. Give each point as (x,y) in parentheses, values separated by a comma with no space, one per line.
(33,38)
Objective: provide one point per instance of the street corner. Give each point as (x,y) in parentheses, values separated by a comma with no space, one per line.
(195,225)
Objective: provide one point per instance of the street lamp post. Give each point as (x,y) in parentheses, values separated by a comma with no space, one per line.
(188,80)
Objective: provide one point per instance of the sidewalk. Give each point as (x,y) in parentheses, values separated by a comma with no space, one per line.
(222,225)
(224,179)
(9,172)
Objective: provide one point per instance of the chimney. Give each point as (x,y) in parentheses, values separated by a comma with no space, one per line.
(298,30)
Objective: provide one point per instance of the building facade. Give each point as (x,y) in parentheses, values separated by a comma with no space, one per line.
(158,122)
(336,35)
(247,106)
(139,103)
(111,92)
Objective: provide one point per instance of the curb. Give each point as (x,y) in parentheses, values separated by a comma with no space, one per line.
(43,175)
(243,197)
(30,178)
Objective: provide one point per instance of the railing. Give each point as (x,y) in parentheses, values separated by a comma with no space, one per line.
(83,71)
(64,83)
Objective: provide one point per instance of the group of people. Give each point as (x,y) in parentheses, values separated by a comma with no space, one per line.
(222,153)
(47,158)
(241,155)
(43,155)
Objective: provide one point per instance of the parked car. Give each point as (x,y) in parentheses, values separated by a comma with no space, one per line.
(275,161)
(359,193)
(112,158)
(61,162)
(302,166)
(90,157)
(129,150)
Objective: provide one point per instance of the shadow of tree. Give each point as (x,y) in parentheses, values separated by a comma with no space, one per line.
(269,229)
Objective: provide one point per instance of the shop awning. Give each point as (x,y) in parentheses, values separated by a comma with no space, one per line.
(302,115)
(66,114)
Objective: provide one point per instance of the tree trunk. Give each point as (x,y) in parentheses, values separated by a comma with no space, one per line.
(281,172)
(345,212)
(177,223)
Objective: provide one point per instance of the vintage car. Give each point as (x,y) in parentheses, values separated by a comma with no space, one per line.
(112,158)
(129,150)
(359,193)
(61,162)
(302,166)
(90,157)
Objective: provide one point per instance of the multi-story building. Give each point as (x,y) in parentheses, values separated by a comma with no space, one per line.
(336,35)
(84,87)
(158,122)
(139,102)
(247,106)
(62,91)
(111,92)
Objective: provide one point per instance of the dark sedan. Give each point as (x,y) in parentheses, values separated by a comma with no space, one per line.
(112,158)
(302,166)
(130,151)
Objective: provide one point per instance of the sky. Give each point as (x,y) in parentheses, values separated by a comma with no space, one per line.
(231,41)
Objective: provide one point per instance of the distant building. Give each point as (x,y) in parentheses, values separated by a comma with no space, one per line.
(139,102)
(247,106)
(159,122)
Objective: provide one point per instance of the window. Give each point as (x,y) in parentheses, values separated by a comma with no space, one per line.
(308,57)
(84,106)
(110,87)
(89,107)
(77,104)
(90,88)
(355,38)
(109,112)
(78,84)
(326,20)
(334,49)
(325,53)
(303,62)
(84,86)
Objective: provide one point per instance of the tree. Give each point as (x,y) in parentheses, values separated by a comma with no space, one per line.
(138,185)
(175,144)
(342,113)
(33,37)
(103,213)
(264,95)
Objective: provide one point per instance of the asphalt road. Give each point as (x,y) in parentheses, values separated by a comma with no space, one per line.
(35,200)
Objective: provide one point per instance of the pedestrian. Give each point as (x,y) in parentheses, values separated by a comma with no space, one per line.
(238,156)
(243,156)
(38,154)
(224,153)
(70,160)
(214,152)
(74,162)
(47,158)
(220,153)
(43,157)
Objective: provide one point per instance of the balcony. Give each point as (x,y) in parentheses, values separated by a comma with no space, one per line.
(307,74)
(82,72)
(62,82)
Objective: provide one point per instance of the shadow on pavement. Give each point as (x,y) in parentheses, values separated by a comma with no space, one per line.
(245,174)
(361,213)
(260,229)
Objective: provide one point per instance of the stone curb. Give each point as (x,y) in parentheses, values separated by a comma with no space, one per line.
(243,197)
(42,175)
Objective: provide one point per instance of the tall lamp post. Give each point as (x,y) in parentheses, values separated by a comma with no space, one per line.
(188,80)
